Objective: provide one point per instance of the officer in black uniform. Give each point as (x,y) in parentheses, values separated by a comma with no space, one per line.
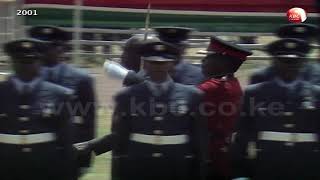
(306,32)
(58,72)
(278,132)
(166,134)
(35,128)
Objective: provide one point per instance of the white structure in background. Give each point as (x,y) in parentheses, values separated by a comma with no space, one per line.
(10,23)
(77,24)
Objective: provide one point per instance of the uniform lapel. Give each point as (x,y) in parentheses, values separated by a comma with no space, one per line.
(12,98)
(61,73)
(169,91)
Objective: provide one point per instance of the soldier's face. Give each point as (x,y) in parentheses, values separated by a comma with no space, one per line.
(210,66)
(288,69)
(157,69)
(131,57)
(53,55)
(26,71)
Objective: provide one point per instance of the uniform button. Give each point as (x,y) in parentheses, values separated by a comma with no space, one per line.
(224,149)
(262,109)
(182,101)
(3,115)
(159,105)
(78,120)
(24,107)
(157,154)
(289,125)
(288,113)
(26,150)
(188,156)
(158,132)
(158,118)
(24,119)
(290,144)
(24,131)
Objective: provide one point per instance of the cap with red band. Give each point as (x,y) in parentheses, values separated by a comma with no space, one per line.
(225,48)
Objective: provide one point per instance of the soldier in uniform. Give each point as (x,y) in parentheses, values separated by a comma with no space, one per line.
(306,32)
(222,96)
(183,72)
(278,131)
(58,72)
(35,138)
(166,134)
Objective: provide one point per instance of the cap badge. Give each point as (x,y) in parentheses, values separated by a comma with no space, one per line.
(159,47)
(27,45)
(290,45)
(47,31)
(300,29)
(172,31)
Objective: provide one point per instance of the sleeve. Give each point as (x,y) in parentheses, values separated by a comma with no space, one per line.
(87,129)
(88,101)
(132,78)
(200,138)
(255,79)
(64,135)
(208,87)
(244,133)
(119,137)
(103,144)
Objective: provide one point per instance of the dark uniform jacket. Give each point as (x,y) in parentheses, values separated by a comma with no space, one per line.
(140,122)
(188,74)
(35,132)
(83,108)
(278,133)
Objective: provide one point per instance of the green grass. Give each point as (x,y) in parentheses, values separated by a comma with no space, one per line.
(101,165)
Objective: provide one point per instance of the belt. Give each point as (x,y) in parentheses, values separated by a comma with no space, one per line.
(159,140)
(289,137)
(27,139)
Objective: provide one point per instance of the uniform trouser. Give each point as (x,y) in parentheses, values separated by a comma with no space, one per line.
(219,167)
(40,162)
(84,160)
(298,162)
(214,175)
(160,168)
(77,166)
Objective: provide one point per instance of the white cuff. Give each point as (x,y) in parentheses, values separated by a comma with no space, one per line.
(115,70)
(241,178)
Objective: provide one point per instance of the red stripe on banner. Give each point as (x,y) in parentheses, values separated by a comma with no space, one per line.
(196,5)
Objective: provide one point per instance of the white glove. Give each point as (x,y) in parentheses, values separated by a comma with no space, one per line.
(115,70)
